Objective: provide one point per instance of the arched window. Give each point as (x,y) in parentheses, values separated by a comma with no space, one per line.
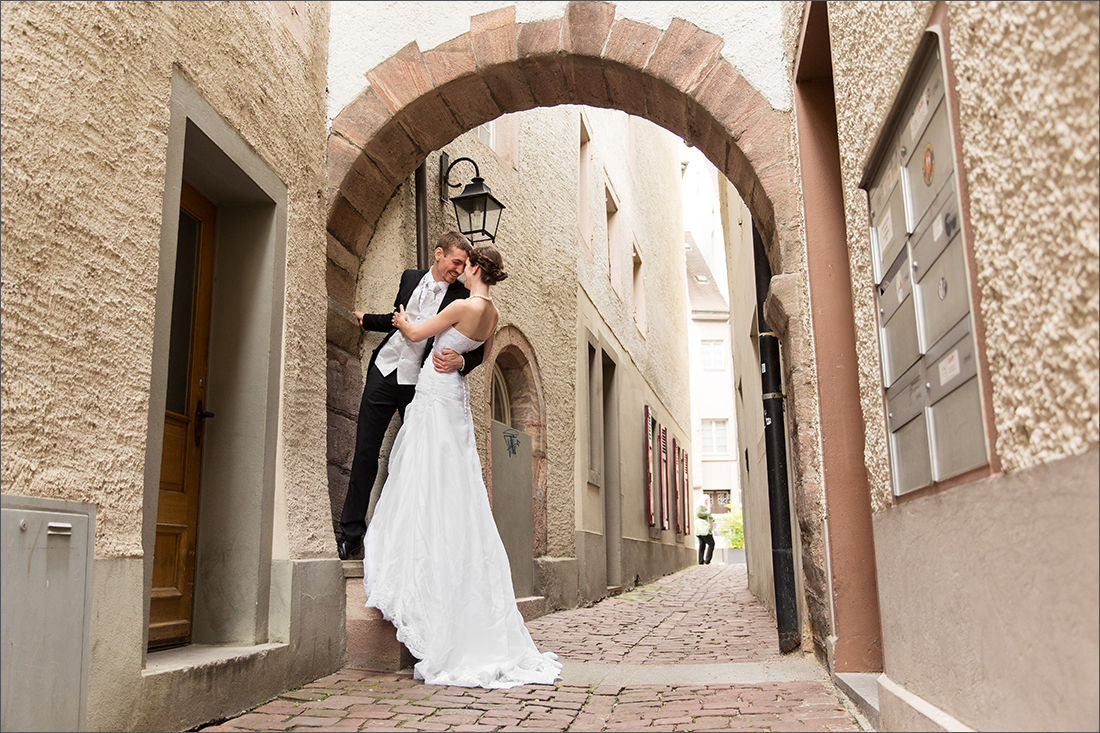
(502,411)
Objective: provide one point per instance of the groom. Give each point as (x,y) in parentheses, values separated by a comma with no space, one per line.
(393,371)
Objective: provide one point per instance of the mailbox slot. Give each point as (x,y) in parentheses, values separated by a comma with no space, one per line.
(929,167)
(958,433)
(942,294)
(888,222)
(936,231)
(906,399)
(910,456)
(921,106)
(951,363)
(899,341)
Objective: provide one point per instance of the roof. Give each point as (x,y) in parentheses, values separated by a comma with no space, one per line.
(703,293)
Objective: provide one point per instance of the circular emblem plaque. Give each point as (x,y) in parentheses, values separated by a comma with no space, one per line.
(929,165)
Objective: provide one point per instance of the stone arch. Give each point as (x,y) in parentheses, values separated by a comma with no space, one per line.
(515,356)
(417,102)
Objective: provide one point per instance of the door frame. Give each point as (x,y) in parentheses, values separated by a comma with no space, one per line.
(240,533)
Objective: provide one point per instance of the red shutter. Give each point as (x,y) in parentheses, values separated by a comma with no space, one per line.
(664,478)
(674,477)
(686,484)
(647,450)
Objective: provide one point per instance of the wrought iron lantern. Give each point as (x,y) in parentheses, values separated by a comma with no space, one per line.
(476,209)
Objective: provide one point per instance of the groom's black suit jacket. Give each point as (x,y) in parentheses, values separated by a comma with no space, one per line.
(384,321)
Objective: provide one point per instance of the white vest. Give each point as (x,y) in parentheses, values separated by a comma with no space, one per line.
(401,354)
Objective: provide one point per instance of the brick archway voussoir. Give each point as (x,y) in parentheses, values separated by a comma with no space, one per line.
(586,27)
(684,54)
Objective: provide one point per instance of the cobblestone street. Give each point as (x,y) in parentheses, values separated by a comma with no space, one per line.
(693,651)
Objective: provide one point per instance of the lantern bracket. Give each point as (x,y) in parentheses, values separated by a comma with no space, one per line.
(445,175)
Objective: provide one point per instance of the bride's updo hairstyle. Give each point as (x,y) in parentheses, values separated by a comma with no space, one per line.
(490,262)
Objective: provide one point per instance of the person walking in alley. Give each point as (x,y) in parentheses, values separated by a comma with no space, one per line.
(704,530)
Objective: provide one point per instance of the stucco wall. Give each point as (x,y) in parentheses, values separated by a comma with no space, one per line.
(85,125)
(1029,131)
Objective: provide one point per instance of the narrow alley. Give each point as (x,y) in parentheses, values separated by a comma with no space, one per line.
(693,651)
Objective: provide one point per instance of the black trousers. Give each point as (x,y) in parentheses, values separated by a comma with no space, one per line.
(382,396)
(706,542)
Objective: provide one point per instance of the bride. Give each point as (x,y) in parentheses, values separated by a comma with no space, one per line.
(433,563)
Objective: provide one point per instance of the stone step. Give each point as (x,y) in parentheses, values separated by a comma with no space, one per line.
(372,640)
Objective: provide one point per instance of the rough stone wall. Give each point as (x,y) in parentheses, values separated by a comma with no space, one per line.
(1029,127)
(85,119)
(788,310)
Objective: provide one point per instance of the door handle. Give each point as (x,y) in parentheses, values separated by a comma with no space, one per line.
(200,417)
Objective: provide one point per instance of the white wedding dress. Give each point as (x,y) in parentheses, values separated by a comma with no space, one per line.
(434,564)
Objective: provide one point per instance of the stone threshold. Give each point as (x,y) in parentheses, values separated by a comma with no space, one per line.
(194,656)
(862,688)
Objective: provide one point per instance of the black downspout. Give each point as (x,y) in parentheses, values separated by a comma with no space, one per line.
(421,196)
(775,445)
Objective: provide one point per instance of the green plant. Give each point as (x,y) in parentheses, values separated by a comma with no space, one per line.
(731,527)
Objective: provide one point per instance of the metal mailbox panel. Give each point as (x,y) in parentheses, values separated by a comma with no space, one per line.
(942,294)
(900,346)
(46,609)
(930,165)
(895,287)
(916,117)
(950,369)
(910,456)
(958,432)
(936,231)
(905,400)
(888,223)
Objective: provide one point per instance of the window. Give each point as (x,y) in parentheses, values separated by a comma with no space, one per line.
(499,401)
(584,187)
(713,355)
(639,290)
(614,241)
(488,133)
(719,500)
(595,419)
(715,441)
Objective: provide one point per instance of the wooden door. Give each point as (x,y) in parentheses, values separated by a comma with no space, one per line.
(184,420)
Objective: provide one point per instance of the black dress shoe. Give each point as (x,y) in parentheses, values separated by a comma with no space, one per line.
(347,547)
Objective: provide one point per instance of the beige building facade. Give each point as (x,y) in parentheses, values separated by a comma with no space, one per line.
(970,598)
(130,133)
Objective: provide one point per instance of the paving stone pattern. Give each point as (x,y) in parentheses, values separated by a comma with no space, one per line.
(703,615)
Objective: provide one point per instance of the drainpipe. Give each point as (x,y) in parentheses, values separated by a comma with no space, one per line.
(775,446)
(421,196)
